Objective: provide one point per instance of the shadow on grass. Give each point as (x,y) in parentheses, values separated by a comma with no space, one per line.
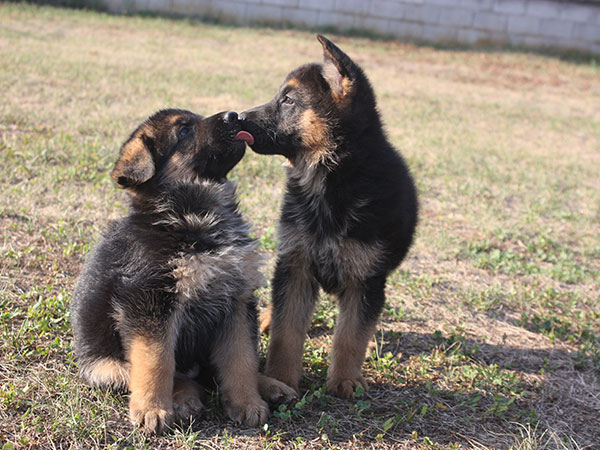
(439,391)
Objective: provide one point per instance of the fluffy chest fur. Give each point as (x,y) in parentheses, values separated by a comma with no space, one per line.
(315,232)
(227,264)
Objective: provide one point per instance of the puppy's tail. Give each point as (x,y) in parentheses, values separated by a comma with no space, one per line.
(106,372)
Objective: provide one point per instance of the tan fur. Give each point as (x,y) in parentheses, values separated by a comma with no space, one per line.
(349,346)
(264,319)
(341,87)
(134,153)
(315,136)
(288,329)
(151,382)
(274,391)
(293,83)
(352,261)
(187,397)
(107,371)
(234,356)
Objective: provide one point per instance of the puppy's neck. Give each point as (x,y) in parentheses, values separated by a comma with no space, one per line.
(182,198)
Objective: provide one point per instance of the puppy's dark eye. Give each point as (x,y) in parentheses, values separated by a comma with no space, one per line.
(184,131)
(288,100)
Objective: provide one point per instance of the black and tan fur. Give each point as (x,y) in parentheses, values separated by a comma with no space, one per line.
(166,299)
(348,216)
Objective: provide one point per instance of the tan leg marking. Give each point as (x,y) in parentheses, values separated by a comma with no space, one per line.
(151,383)
(288,328)
(264,319)
(107,372)
(236,360)
(350,341)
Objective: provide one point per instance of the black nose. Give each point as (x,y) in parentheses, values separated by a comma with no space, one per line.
(242,116)
(230,116)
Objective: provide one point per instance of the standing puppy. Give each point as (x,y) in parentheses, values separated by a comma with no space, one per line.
(348,217)
(166,299)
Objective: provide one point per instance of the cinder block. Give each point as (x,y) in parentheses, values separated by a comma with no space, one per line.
(470,36)
(586,32)
(405,30)
(376,24)
(193,8)
(359,7)
(297,16)
(158,6)
(556,28)
(230,11)
(523,25)
(485,20)
(426,14)
(448,3)
(288,3)
(321,5)
(115,6)
(528,41)
(456,17)
(579,13)
(477,5)
(544,8)
(510,6)
(439,33)
(263,13)
(387,9)
(339,20)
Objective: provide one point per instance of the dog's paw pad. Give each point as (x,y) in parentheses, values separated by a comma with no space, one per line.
(251,414)
(153,420)
(187,407)
(345,387)
(276,392)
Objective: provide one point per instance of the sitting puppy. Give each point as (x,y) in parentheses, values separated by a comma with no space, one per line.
(166,299)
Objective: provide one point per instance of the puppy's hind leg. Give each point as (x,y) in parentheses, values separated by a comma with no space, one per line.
(106,372)
(360,306)
(187,398)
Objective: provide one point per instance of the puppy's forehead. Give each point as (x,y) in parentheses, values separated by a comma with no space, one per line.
(304,76)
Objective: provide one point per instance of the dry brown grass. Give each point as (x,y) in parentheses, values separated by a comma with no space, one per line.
(491,338)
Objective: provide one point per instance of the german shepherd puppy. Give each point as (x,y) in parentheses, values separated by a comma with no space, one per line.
(348,217)
(166,299)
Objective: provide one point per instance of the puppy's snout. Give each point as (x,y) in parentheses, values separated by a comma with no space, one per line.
(242,116)
(230,116)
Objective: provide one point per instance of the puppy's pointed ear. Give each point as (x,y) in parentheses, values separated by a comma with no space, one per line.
(338,69)
(135,164)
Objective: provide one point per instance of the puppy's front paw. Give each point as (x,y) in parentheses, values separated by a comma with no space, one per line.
(274,391)
(251,413)
(153,418)
(345,387)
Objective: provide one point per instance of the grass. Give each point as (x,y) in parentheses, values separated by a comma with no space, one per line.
(491,334)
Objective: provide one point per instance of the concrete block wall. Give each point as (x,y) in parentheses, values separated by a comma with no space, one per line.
(561,24)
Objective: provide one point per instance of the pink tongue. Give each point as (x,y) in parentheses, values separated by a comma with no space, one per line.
(244,136)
